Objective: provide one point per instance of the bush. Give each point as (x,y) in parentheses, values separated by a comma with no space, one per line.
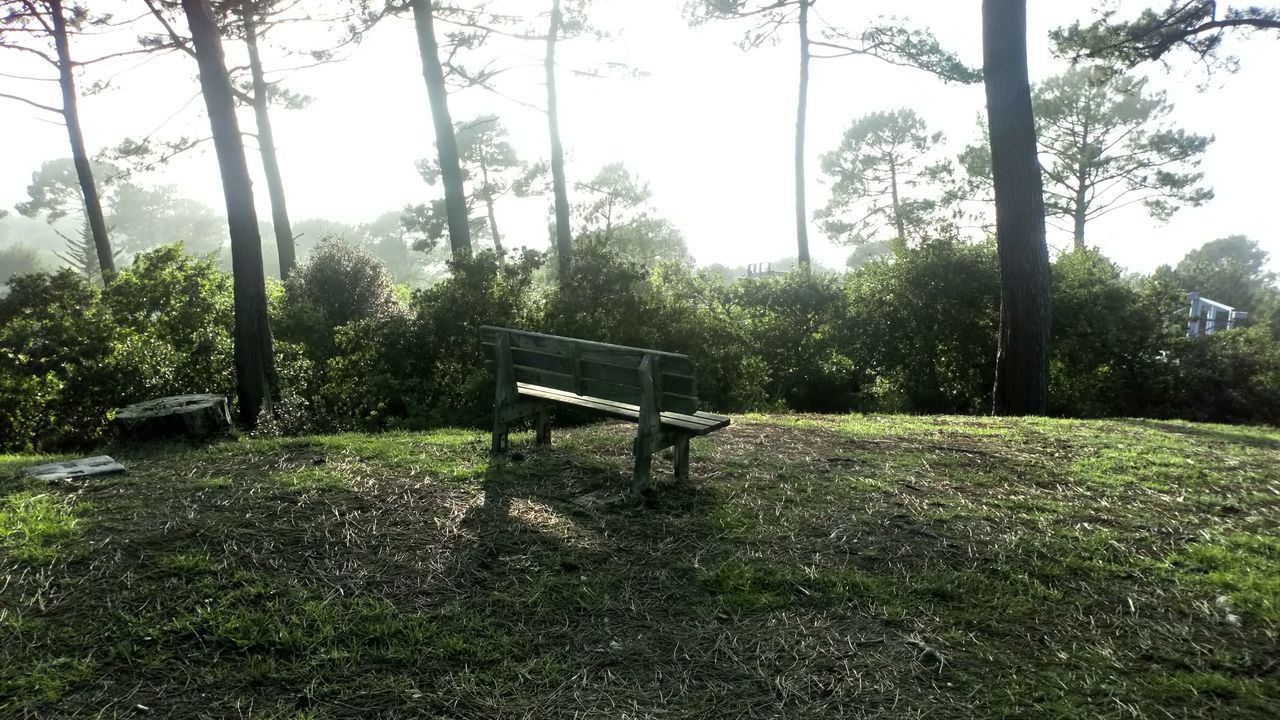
(922,325)
(1109,339)
(793,326)
(173,318)
(425,368)
(338,285)
(912,332)
(70,353)
(57,375)
(1230,376)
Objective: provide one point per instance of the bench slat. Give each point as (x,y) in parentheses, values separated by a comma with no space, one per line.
(589,350)
(699,423)
(600,389)
(672,382)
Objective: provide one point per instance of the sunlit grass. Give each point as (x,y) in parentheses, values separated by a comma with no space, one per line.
(815,567)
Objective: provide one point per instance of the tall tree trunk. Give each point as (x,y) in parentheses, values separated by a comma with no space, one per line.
(255,365)
(1078,233)
(898,223)
(559,186)
(455,195)
(608,221)
(1022,360)
(493,217)
(1080,211)
(267,144)
(802,110)
(79,155)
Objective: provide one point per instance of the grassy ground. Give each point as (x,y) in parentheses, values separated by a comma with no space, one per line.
(815,567)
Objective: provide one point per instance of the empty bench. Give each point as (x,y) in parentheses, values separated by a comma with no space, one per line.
(656,390)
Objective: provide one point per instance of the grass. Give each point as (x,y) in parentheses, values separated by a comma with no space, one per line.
(815,567)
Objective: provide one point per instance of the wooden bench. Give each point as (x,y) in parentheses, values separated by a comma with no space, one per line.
(656,390)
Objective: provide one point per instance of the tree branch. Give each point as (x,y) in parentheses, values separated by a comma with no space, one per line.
(32,103)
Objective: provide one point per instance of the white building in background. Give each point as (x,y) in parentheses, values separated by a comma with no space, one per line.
(1207,316)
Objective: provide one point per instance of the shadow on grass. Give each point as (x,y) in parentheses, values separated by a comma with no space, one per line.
(1213,434)
(401,577)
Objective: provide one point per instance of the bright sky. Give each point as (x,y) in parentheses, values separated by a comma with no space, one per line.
(709,126)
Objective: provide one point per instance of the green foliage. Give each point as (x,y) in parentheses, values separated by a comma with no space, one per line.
(69,353)
(174,313)
(923,325)
(1108,338)
(56,341)
(1231,270)
(793,326)
(339,284)
(1197,26)
(1231,376)
(424,367)
(913,331)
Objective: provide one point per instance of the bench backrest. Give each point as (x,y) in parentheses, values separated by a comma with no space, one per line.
(593,369)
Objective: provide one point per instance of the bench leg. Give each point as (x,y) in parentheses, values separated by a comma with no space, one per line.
(644,462)
(501,438)
(543,426)
(682,458)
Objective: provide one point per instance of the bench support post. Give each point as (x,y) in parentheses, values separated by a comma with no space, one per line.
(542,426)
(682,458)
(649,426)
(504,394)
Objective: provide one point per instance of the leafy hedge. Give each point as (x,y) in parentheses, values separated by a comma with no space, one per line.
(914,332)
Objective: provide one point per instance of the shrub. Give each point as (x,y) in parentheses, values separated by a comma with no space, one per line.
(338,285)
(922,323)
(1109,337)
(173,317)
(425,368)
(1229,376)
(913,332)
(793,326)
(57,378)
(70,353)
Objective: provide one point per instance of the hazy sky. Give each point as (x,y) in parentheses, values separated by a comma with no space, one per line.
(708,125)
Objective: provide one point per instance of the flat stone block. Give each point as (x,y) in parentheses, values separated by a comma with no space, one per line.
(84,467)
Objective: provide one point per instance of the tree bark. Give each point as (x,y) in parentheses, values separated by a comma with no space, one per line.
(1077,236)
(802,109)
(79,154)
(280,224)
(898,223)
(455,196)
(1080,211)
(493,217)
(255,365)
(1022,360)
(559,186)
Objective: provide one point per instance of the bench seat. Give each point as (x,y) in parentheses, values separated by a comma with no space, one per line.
(654,389)
(699,423)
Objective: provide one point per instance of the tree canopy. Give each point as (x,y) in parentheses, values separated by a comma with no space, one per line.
(1106,143)
(879,161)
(1195,26)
